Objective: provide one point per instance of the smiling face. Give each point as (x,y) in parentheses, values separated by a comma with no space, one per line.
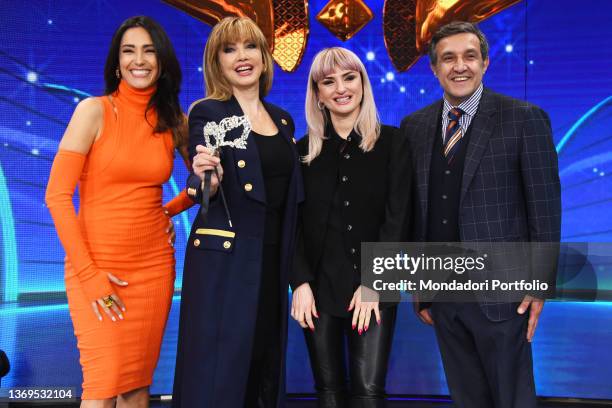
(241,63)
(341,92)
(459,66)
(138,59)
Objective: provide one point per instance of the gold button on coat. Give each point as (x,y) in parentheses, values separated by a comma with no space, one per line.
(196,242)
(241,164)
(248,187)
(284,121)
(227,244)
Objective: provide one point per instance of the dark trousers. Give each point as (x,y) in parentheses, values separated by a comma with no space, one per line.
(265,370)
(368,357)
(487,364)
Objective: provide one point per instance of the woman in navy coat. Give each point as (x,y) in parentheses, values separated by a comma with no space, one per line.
(232,333)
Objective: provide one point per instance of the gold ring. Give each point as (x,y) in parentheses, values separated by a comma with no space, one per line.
(108,301)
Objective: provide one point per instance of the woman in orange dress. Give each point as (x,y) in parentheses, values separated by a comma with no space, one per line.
(119,269)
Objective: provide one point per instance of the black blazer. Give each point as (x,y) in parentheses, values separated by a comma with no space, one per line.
(510,190)
(375,183)
(222,272)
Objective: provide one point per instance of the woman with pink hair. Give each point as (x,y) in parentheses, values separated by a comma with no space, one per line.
(357,185)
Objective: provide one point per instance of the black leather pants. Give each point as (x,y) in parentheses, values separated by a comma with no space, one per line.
(368,357)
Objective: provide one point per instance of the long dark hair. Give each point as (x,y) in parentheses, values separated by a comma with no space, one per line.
(165,100)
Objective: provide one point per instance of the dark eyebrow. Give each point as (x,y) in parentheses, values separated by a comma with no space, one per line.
(133,46)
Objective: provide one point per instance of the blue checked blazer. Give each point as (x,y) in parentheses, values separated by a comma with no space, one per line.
(510,190)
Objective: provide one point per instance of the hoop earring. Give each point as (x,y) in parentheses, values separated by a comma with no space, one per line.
(118,73)
(320,105)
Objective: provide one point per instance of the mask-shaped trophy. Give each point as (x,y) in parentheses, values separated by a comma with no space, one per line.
(214,139)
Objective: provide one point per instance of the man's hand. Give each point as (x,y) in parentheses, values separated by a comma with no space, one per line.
(423,315)
(535,306)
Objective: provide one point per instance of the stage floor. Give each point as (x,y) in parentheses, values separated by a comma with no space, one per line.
(311,403)
(569,352)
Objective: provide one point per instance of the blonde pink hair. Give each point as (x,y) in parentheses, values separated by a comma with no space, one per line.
(367,124)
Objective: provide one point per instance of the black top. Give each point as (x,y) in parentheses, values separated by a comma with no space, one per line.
(276,166)
(338,276)
(351,197)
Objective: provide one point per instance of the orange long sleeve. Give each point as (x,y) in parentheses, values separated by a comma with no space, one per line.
(179,204)
(65,173)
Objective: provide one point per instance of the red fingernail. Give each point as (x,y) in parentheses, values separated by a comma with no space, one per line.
(378,322)
(312,329)
(354,326)
(360,331)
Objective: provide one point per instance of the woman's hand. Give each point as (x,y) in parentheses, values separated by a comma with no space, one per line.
(170,229)
(204,160)
(112,305)
(362,311)
(303,306)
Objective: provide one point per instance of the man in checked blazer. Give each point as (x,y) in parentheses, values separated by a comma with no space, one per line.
(486,171)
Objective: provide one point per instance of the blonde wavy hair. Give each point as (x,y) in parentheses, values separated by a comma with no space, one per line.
(367,124)
(227,31)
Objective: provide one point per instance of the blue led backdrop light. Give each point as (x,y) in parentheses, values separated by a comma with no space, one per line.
(554,54)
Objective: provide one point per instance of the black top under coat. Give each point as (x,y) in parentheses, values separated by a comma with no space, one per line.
(352,197)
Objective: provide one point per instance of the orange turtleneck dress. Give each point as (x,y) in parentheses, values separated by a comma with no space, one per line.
(121,229)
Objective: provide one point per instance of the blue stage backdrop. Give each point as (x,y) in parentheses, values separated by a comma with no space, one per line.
(556,54)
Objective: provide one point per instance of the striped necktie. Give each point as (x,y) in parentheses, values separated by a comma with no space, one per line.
(453,134)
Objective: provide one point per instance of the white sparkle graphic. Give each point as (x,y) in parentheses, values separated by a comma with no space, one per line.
(370,56)
(32,77)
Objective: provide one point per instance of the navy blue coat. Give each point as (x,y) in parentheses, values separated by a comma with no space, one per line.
(510,190)
(221,277)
